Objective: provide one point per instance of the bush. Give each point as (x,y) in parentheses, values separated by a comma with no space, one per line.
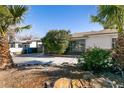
(56,41)
(96,59)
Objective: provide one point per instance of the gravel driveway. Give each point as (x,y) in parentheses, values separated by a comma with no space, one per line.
(45,60)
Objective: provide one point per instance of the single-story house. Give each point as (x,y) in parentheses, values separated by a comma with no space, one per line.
(102,39)
(18,46)
(79,42)
(26,46)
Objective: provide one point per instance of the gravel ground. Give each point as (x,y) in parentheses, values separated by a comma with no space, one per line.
(35,76)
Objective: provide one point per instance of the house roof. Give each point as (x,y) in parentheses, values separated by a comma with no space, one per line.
(28,41)
(83,34)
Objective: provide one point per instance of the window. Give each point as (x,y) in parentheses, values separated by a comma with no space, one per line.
(12,45)
(77,46)
(39,45)
(114,42)
(20,46)
(25,45)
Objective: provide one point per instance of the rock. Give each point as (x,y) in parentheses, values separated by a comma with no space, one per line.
(119,86)
(101,82)
(62,83)
(95,84)
(77,83)
(87,75)
(82,75)
(74,83)
(82,83)
(48,84)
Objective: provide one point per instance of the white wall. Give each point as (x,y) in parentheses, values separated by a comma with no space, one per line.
(101,41)
(33,45)
(19,50)
(16,50)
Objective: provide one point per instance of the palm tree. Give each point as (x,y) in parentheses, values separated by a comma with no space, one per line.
(10,18)
(112,16)
(100,21)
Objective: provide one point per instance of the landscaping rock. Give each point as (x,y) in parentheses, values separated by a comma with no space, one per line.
(102,82)
(62,83)
(82,83)
(86,75)
(74,83)
(50,76)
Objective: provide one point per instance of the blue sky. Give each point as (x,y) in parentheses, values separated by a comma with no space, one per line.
(73,18)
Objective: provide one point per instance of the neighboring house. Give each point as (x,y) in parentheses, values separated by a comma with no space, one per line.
(27,46)
(24,46)
(102,39)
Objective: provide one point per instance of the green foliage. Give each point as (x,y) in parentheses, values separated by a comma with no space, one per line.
(110,16)
(11,17)
(95,59)
(56,41)
(102,22)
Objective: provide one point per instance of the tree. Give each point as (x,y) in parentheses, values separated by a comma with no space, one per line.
(113,17)
(56,41)
(100,21)
(27,37)
(10,18)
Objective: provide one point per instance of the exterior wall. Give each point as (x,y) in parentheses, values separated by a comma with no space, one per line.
(33,44)
(16,45)
(16,50)
(39,43)
(40,47)
(19,50)
(101,41)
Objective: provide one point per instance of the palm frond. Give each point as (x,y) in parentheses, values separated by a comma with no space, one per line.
(11,16)
(4,12)
(110,15)
(120,6)
(19,29)
(18,12)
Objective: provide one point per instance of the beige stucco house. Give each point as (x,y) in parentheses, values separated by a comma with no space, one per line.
(102,39)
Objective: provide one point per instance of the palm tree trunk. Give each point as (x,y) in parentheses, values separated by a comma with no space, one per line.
(5,57)
(120,49)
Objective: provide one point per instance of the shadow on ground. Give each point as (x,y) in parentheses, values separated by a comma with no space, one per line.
(34,74)
(34,62)
(45,55)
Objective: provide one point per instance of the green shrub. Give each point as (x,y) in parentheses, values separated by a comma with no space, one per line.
(56,41)
(96,59)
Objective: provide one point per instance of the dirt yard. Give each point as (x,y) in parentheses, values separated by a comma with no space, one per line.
(42,76)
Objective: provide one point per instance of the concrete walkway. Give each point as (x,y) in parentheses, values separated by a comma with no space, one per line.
(44,60)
